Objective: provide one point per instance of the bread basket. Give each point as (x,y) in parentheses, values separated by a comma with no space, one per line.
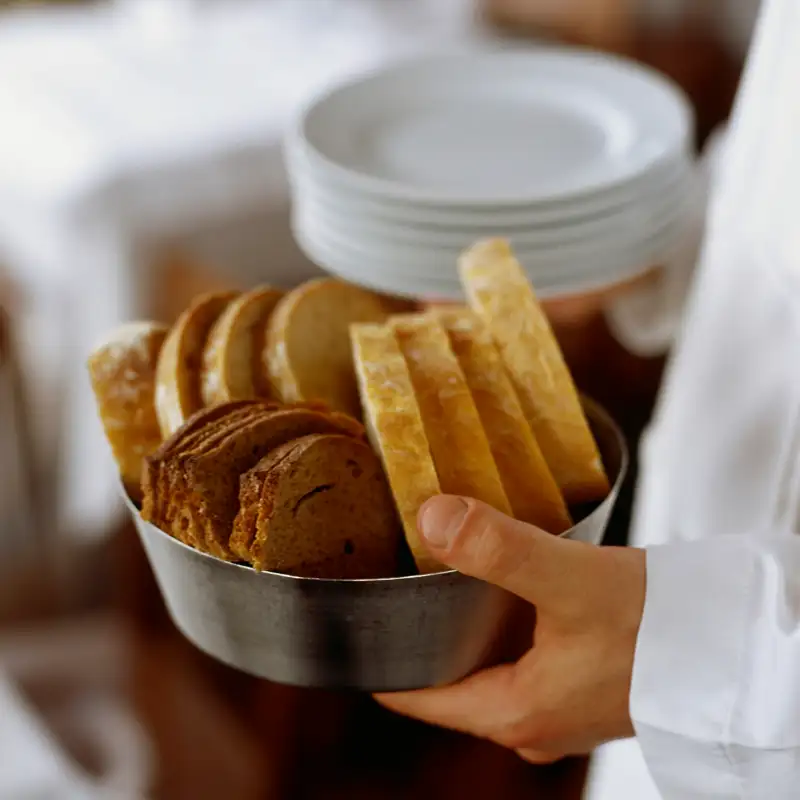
(386,634)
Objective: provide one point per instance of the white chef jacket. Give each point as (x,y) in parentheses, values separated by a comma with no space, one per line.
(715,697)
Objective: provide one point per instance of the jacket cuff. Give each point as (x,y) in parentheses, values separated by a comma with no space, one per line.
(690,660)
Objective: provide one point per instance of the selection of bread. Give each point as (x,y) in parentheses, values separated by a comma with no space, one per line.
(237,429)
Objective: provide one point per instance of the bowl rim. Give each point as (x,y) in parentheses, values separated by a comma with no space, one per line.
(594,411)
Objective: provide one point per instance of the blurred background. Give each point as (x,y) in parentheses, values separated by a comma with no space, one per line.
(141,163)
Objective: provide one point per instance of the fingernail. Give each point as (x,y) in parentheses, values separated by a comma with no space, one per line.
(440,518)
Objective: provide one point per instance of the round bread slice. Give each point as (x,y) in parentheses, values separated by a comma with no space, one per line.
(154,474)
(122,371)
(326,512)
(308,353)
(178,371)
(175,488)
(251,484)
(213,476)
(232,363)
(251,488)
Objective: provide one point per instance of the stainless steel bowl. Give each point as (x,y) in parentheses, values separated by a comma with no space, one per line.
(374,635)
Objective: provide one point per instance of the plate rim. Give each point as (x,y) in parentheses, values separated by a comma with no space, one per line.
(380,187)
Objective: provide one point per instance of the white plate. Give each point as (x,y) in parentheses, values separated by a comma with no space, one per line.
(594,256)
(629,223)
(496,127)
(670,171)
(373,274)
(674,177)
(439,268)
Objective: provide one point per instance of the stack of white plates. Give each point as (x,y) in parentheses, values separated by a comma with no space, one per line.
(581,159)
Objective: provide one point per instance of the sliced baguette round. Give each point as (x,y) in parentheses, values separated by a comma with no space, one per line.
(500,293)
(232,364)
(308,354)
(122,371)
(178,373)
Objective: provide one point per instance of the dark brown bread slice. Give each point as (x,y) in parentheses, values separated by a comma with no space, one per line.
(214,476)
(205,441)
(327,512)
(151,474)
(161,480)
(251,485)
(168,493)
(176,487)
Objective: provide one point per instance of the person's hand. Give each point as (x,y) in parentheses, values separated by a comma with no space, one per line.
(569,692)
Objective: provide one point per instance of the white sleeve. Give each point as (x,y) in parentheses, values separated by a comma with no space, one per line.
(715,697)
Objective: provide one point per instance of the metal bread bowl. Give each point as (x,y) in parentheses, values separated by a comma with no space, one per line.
(386,634)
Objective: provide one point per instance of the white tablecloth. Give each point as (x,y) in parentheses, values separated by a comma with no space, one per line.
(122,124)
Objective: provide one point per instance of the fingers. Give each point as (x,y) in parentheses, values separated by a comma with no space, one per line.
(486,704)
(477,540)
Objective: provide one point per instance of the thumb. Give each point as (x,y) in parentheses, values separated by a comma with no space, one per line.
(477,540)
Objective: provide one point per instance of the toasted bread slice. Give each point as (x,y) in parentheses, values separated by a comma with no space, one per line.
(232,359)
(531,489)
(395,428)
(500,293)
(251,486)
(175,485)
(178,372)
(155,488)
(461,451)
(123,375)
(213,476)
(308,347)
(325,511)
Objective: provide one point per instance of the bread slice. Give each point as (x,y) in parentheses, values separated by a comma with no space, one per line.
(326,511)
(500,293)
(178,372)
(461,451)
(395,428)
(213,476)
(251,486)
(175,486)
(122,371)
(155,475)
(232,364)
(531,489)
(308,348)
(168,498)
